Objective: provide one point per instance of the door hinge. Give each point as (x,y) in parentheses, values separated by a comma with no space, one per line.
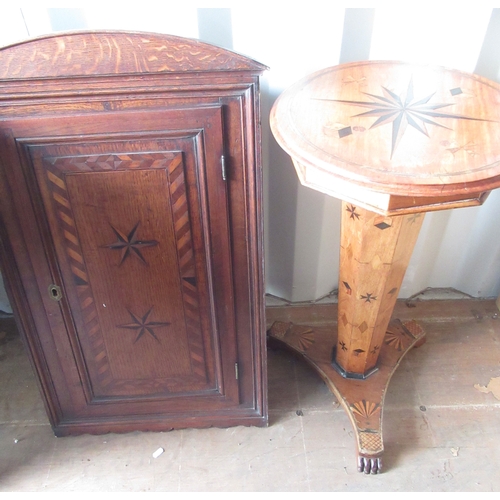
(236,371)
(223,167)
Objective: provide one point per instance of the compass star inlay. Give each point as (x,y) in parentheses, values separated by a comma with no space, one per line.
(129,244)
(142,325)
(404,110)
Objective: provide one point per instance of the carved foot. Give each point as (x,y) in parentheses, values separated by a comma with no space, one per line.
(370,465)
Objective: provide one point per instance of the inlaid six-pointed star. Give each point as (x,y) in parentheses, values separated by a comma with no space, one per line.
(129,244)
(142,325)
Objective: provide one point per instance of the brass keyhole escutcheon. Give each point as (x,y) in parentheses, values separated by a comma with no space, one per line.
(55,293)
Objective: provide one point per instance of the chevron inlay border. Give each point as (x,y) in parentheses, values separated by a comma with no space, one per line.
(56,168)
(184,241)
(57,184)
(113,161)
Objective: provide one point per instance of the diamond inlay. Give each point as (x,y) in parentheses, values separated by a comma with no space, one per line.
(344,132)
(363,327)
(347,288)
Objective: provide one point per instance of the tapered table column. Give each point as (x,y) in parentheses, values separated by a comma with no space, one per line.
(393,141)
(375,252)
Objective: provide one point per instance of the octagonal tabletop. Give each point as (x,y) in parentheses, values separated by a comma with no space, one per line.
(393,137)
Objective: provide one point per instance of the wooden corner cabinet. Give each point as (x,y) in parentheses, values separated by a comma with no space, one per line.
(131,229)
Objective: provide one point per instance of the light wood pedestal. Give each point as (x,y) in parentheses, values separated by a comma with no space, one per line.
(393,141)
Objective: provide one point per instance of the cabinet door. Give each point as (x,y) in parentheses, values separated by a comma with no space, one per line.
(125,221)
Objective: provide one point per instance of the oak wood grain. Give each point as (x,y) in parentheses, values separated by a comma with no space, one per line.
(111,149)
(110,53)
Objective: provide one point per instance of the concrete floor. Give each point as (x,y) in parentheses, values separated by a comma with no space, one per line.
(441,425)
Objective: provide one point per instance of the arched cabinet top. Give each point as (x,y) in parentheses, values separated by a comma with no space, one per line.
(102,53)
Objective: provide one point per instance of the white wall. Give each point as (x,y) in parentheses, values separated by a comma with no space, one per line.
(459,249)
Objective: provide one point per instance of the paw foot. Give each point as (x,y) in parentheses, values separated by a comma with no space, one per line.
(369,465)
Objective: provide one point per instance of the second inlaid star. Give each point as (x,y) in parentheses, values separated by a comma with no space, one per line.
(142,325)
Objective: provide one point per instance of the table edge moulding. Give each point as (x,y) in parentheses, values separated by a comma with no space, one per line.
(392,140)
(131,229)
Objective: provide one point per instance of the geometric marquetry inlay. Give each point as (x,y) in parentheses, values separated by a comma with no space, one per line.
(129,244)
(142,325)
(119,204)
(392,141)
(368,297)
(300,337)
(371,440)
(365,409)
(352,211)
(400,111)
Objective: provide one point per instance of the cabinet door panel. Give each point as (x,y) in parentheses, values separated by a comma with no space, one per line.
(130,223)
(123,250)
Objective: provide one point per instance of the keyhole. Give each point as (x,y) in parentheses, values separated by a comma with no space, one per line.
(55,293)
